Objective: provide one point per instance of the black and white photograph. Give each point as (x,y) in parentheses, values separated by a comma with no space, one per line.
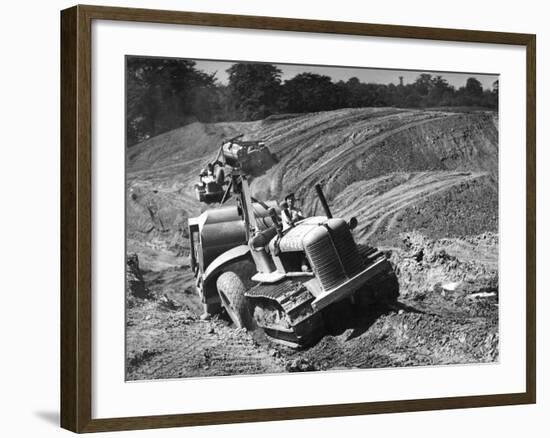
(274,220)
(289,218)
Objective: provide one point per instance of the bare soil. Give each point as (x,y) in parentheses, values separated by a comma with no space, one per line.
(422,185)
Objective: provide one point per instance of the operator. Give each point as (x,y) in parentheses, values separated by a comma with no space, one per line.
(210,170)
(295,213)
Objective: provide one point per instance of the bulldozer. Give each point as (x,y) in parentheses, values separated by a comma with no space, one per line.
(283,280)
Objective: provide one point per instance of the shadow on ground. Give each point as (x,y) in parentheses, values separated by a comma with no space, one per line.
(345,316)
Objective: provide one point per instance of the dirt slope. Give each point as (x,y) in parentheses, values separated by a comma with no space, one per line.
(405,174)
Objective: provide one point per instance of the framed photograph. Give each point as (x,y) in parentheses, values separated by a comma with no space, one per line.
(269,218)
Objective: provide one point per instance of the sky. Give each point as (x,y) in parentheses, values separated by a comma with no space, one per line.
(366,75)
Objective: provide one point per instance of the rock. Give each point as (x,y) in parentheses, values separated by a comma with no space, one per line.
(450,287)
(167,303)
(300,365)
(481,295)
(419,296)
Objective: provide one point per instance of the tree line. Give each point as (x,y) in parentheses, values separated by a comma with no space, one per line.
(163,94)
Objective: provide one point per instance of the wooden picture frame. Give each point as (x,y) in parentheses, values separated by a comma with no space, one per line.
(76,218)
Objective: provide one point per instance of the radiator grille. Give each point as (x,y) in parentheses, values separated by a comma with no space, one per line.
(325,262)
(345,245)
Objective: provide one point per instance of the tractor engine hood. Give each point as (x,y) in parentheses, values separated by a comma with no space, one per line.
(295,238)
(329,247)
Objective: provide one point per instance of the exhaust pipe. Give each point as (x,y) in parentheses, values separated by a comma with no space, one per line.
(323,200)
(286,211)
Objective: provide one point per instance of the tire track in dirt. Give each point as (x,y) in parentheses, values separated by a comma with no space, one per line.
(174,344)
(350,151)
(307,141)
(382,209)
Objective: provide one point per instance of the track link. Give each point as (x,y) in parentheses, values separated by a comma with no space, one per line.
(283,310)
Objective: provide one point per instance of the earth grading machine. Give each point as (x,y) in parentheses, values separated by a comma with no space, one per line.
(283,281)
